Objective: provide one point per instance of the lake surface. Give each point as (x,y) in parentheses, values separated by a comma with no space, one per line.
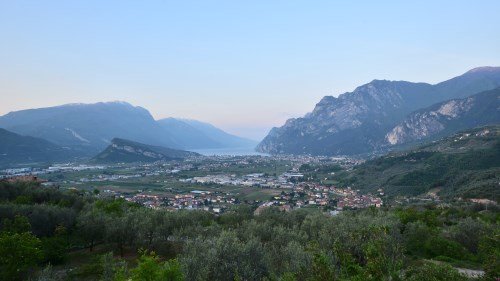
(238,151)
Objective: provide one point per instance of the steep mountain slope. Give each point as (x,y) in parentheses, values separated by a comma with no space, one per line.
(466,164)
(357,122)
(184,133)
(224,140)
(16,149)
(121,150)
(448,117)
(88,127)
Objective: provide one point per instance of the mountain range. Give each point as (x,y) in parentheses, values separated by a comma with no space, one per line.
(87,129)
(369,119)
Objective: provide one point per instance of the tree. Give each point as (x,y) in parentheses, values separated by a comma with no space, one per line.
(172,271)
(18,252)
(489,252)
(321,269)
(416,235)
(112,269)
(122,231)
(433,272)
(224,257)
(468,232)
(55,248)
(20,224)
(150,268)
(91,224)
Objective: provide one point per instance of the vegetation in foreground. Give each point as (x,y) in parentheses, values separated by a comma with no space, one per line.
(48,234)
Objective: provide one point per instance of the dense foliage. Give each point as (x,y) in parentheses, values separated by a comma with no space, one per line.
(47,234)
(463,165)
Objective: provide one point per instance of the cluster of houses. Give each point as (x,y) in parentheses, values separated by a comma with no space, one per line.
(215,202)
(331,197)
(301,195)
(359,202)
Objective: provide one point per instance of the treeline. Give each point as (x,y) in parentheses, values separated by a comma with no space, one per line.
(41,227)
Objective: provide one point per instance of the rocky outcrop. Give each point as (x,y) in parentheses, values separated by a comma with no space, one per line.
(447,117)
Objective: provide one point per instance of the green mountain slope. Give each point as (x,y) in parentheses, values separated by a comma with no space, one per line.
(121,150)
(466,165)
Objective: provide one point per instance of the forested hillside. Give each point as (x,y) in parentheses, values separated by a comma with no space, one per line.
(466,165)
(48,234)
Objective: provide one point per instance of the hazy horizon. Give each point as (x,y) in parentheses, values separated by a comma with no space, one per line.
(243,67)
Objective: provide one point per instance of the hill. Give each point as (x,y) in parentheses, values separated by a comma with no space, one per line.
(466,164)
(358,122)
(16,149)
(121,150)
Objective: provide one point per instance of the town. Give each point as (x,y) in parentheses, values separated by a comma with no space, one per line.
(211,183)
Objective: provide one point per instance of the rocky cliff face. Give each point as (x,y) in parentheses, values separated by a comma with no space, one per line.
(138,151)
(348,124)
(447,117)
(359,121)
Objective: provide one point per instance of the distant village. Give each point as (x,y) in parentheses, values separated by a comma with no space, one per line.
(294,190)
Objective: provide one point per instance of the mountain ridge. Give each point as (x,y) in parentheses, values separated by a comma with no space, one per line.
(356,122)
(89,128)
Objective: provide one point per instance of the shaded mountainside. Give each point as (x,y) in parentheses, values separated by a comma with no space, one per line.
(466,164)
(357,122)
(121,150)
(225,139)
(88,127)
(16,149)
(199,135)
(448,117)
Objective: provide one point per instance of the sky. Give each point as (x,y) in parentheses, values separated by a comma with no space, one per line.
(244,66)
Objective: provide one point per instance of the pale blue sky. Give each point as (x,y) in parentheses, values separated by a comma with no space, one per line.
(244,66)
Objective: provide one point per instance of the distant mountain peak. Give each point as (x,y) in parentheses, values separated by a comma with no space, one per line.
(484,69)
